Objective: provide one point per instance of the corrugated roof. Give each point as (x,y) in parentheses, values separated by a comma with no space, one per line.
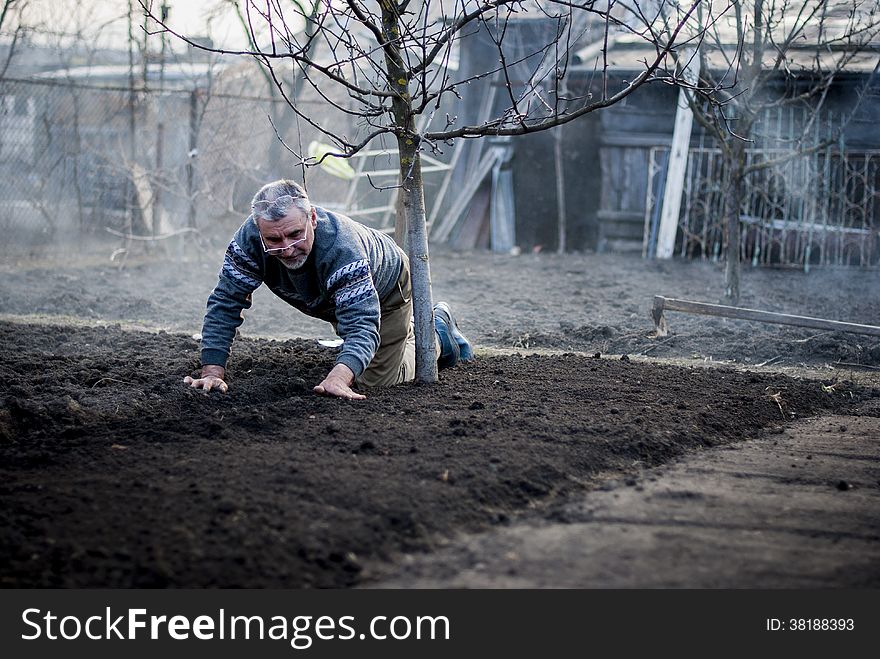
(819,22)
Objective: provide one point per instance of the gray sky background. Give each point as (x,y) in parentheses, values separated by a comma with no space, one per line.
(105,21)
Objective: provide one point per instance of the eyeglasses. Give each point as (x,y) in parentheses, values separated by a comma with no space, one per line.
(276,207)
(275,251)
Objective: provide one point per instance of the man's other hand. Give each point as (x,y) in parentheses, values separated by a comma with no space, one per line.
(338,383)
(212,378)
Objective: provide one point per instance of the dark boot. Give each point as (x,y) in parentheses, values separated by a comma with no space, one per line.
(454,347)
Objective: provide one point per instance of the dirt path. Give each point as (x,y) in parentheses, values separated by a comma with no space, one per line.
(799,510)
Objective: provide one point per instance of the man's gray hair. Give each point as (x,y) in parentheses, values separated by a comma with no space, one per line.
(263,209)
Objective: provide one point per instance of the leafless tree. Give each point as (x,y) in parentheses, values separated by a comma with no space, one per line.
(384,64)
(769,54)
(79,43)
(280,120)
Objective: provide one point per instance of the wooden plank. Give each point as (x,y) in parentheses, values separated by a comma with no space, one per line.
(624,230)
(141,179)
(559,166)
(502,211)
(441,233)
(662,304)
(678,159)
(622,246)
(444,186)
(474,224)
(605,172)
(643,140)
(636,217)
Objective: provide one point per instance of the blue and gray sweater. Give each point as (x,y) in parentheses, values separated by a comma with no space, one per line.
(350,269)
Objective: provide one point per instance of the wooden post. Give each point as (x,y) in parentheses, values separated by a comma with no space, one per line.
(678,158)
(158,179)
(502,212)
(191,158)
(560,190)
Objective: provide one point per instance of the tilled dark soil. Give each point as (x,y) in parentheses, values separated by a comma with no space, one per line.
(579,302)
(115,474)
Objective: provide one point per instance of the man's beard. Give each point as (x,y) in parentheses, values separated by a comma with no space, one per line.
(295,264)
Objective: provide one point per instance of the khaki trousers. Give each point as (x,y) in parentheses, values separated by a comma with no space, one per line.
(395,360)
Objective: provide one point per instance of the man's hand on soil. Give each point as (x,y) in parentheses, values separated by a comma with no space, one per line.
(338,383)
(211,378)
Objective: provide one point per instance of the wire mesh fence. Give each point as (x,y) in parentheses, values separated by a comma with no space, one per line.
(121,166)
(802,206)
(116,166)
(85,163)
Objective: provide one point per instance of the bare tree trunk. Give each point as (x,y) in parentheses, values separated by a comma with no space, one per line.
(412,193)
(400,230)
(191,159)
(412,197)
(160,137)
(77,159)
(733,203)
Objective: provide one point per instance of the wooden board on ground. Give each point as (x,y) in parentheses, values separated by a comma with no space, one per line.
(662,304)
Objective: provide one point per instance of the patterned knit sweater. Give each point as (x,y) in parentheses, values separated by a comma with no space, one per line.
(349,270)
